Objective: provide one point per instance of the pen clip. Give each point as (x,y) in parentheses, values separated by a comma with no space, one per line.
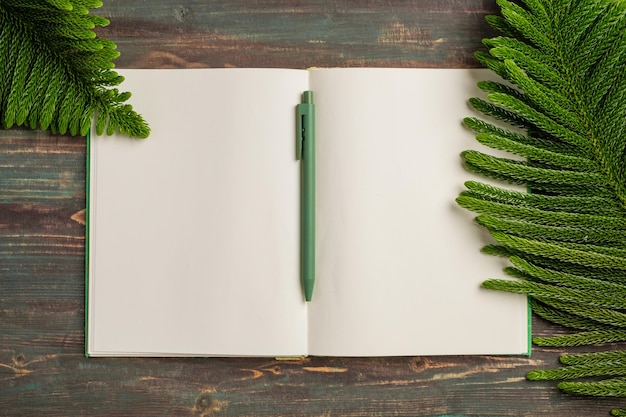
(304,111)
(301,112)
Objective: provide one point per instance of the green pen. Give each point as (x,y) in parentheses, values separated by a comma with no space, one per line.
(305,133)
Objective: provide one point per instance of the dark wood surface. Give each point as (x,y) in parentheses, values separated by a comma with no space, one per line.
(43,371)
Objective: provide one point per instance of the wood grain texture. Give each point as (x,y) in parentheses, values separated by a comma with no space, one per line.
(297,34)
(43,371)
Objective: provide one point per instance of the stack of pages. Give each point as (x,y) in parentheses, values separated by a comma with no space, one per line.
(194,233)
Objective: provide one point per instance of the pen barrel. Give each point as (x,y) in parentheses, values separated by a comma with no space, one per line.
(308,203)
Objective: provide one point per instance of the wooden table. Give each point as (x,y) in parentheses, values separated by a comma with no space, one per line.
(43,371)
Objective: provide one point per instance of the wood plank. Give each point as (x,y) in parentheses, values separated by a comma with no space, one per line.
(297,34)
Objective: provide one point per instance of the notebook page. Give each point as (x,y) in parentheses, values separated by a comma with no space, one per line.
(194,232)
(399,267)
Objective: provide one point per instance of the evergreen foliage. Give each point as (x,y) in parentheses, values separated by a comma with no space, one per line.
(565,100)
(56,74)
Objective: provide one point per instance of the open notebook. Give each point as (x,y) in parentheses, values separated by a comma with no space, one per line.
(193,233)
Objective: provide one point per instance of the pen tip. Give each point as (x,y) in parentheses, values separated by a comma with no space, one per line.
(308,290)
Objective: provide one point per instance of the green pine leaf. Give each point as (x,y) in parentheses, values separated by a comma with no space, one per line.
(564,98)
(614,387)
(56,74)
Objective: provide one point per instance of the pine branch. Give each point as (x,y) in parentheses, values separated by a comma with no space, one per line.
(592,358)
(567,205)
(567,279)
(537,154)
(538,215)
(56,74)
(599,368)
(594,337)
(562,294)
(539,231)
(615,387)
(564,86)
(523,173)
(596,332)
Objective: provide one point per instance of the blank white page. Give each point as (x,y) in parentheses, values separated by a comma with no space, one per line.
(398,262)
(194,232)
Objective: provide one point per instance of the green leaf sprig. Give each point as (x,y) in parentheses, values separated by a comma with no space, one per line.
(565,101)
(56,74)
